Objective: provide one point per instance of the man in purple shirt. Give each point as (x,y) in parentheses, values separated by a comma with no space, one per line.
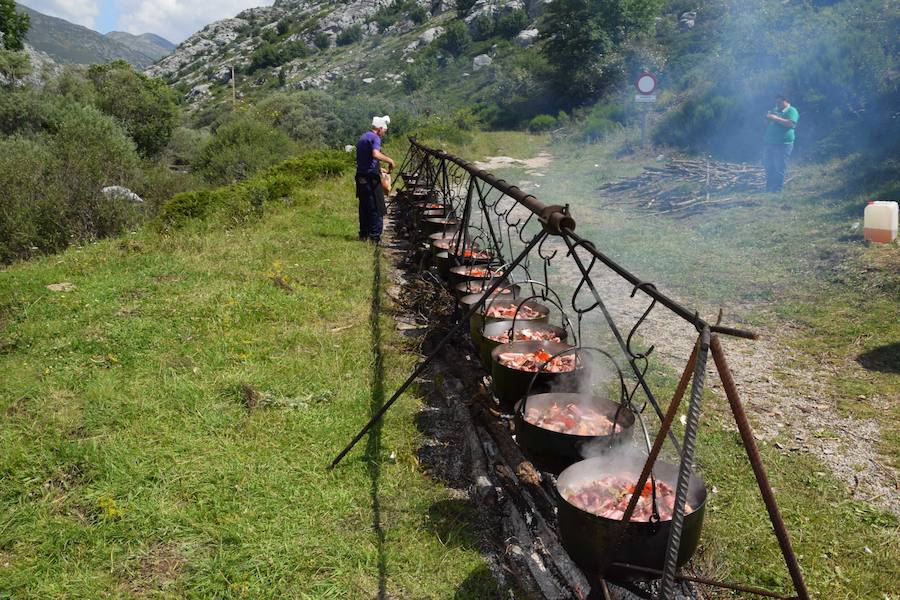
(368,180)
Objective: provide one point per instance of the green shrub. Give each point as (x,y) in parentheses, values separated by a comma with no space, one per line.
(263,57)
(482,27)
(418,14)
(463,7)
(322,41)
(510,24)
(349,36)
(241,146)
(185,206)
(542,123)
(145,107)
(455,38)
(31,204)
(603,120)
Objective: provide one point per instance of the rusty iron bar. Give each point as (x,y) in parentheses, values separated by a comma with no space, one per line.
(553,218)
(738,587)
(661,436)
(762,480)
(440,346)
(685,469)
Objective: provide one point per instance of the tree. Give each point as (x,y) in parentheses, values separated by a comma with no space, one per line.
(13,26)
(14,66)
(455,39)
(584,38)
(145,107)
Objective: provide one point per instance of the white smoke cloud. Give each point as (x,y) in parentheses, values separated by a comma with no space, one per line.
(177,19)
(81,12)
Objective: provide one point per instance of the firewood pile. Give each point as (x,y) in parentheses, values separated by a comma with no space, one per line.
(685,186)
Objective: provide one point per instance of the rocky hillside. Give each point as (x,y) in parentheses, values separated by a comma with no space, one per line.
(316,44)
(67,42)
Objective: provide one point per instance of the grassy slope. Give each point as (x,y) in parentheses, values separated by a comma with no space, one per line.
(131,465)
(761,260)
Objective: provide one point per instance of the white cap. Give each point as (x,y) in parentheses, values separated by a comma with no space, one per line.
(381,122)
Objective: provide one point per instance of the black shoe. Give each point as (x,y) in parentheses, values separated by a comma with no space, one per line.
(363,238)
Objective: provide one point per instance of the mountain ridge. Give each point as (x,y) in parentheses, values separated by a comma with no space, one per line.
(69,43)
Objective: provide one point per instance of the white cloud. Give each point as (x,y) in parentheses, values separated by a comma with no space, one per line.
(177,19)
(82,12)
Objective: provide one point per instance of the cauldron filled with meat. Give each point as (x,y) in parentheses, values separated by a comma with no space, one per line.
(449,253)
(504,309)
(476,286)
(553,428)
(498,332)
(514,366)
(511,294)
(462,273)
(438,224)
(591,499)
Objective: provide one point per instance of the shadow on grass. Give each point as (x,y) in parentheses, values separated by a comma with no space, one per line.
(885,359)
(373,444)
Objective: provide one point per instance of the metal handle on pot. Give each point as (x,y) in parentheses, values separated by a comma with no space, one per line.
(654,516)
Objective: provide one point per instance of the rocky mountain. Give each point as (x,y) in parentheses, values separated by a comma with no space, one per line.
(148,44)
(67,42)
(321,44)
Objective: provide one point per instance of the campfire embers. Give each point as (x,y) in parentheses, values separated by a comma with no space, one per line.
(591,496)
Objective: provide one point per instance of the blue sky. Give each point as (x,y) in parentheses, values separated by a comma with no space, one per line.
(173,19)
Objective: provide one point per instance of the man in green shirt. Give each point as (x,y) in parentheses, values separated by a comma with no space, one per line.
(778,141)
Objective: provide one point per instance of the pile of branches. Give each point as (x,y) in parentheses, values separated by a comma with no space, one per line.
(685,186)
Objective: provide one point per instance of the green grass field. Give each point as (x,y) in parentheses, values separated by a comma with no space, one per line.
(167,423)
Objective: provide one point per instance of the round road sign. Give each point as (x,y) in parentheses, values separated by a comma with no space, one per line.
(645,83)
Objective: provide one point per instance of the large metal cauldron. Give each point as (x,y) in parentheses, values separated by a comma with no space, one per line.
(479,320)
(557,450)
(510,384)
(501,329)
(472,286)
(436,225)
(588,537)
(473,273)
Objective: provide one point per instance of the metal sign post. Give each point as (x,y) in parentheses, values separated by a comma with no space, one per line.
(645,85)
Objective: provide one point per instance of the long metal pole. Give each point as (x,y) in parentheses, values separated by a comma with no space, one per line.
(762,480)
(437,349)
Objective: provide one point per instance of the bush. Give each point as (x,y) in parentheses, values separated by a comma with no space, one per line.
(482,28)
(349,36)
(145,107)
(31,205)
(418,14)
(603,120)
(92,152)
(542,123)
(455,38)
(241,146)
(322,41)
(510,24)
(463,7)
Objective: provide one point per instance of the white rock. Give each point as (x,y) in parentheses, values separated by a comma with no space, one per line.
(480,61)
(527,37)
(368,80)
(430,34)
(119,192)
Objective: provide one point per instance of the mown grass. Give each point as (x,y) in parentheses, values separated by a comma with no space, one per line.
(135,464)
(794,260)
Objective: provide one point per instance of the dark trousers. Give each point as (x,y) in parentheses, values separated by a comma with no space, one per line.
(775,161)
(371,206)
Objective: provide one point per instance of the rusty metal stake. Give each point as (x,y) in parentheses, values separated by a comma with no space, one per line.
(762,480)
(738,587)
